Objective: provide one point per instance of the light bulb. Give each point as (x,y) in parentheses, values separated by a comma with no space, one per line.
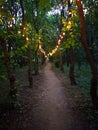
(10,25)
(19,32)
(69,22)
(20,24)
(63,33)
(24,28)
(13,18)
(27,38)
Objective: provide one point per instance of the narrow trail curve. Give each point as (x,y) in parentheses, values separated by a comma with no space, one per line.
(48,106)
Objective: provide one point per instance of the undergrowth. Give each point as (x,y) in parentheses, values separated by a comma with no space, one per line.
(82,76)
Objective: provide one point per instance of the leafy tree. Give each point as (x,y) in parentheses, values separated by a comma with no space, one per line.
(89,56)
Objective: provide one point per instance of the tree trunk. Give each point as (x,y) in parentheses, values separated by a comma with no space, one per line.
(11,77)
(28,47)
(36,63)
(61,62)
(67,57)
(93,89)
(30,66)
(71,71)
(43,58)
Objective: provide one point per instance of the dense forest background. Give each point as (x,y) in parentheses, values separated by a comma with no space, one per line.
(62,31)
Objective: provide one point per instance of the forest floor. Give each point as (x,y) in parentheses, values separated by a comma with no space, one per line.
(51,104)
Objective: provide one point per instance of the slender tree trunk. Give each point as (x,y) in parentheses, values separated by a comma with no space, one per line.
(43,58)
(61,62)
(30,66)
(93,89)
(28,47)
(79,64)
(67,57)
(71,71)
(36,63)
(11,77)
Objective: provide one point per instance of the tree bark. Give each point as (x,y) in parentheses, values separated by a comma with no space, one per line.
(67,57)
(13,90)
(71,71)
(61,62)
(30,78)
(93,89)
(43,58)
(36,63)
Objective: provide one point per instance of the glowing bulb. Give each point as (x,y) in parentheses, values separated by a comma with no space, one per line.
(69,22)
(50,54)
(63,33)
(68,27)
(20,24)
(23,35)
(39,46)
(19,32)
(10,25)
(57,46)
(46,56)
(53,51)
(13,18)
(27,38)
(2,7)
(24,28)
(59,42)
(69,13)
(61,37)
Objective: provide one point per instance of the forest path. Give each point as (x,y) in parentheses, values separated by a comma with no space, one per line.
(45,106)
(48,106)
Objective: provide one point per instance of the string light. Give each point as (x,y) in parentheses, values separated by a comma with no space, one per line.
(2,7)
(61,36)
(59,42)
(19,32)
(27,38)
(63,33)
(69,13)
(57,46)
(20,24)
(69,22)
(55,49)
(40,47)
(24,28)
(10,25)
(13,18)
(46,56)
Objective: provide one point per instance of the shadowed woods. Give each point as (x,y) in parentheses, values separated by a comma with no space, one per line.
(49,105)
(35,94)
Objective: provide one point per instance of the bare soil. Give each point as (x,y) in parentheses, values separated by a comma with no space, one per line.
(51,104)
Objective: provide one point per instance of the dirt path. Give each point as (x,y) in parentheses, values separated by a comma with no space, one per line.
(49,107)
(46,106)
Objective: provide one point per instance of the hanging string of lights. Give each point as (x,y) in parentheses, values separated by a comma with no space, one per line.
(61,36)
